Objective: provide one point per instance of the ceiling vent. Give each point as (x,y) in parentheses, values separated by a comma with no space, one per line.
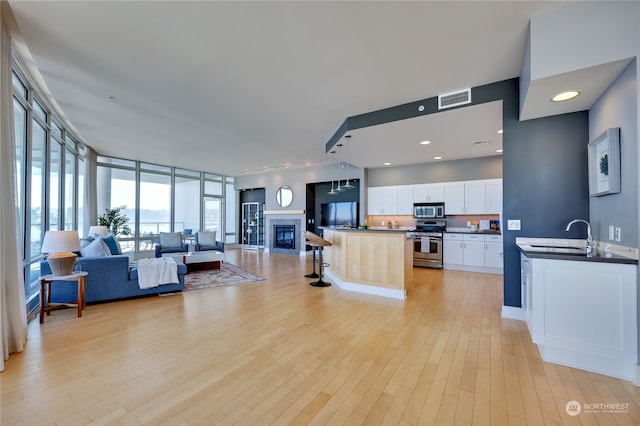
(449,100)
(480,143)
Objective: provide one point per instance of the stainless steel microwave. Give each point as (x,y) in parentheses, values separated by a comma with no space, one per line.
(428,210)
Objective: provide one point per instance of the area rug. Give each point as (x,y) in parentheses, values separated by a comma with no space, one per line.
(228,274)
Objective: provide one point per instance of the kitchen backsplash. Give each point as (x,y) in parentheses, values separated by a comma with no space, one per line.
(408,221)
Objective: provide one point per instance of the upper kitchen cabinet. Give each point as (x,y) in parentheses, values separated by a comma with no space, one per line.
(473,197)
(405,199)
(382,200)
(454,198)
(428,193)
(493,196)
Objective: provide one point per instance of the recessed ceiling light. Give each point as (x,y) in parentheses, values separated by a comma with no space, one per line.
(387,164)
(437,158)
(425,142)
(500,131)
(499,150)
(565,96)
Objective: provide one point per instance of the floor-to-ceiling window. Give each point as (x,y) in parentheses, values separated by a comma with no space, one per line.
(230,211)
(46,176)
(187,201)
(116,182)
(213,207)
(155,199)
(70,174)
(53,196)
(37,173)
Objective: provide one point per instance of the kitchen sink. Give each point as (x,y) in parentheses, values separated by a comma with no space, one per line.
(557,247)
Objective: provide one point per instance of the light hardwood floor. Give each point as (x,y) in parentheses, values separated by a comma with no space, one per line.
(282,352)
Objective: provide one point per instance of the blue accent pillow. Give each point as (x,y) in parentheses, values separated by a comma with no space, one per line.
(111,242)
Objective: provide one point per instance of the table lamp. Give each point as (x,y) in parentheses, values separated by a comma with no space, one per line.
(59,245)
(101,230)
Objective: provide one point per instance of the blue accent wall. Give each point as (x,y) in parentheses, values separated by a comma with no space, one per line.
(544,168)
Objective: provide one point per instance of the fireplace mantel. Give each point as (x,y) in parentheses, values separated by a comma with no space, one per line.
(292,212)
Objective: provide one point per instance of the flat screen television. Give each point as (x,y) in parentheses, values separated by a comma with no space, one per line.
(343,213)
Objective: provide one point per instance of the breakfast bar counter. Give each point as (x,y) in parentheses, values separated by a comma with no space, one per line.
(372,261)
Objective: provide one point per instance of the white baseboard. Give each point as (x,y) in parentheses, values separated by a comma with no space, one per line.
(617,368)
(511,312)
(366,289)
(468,268)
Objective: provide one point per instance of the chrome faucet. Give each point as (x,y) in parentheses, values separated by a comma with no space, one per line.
(589,238)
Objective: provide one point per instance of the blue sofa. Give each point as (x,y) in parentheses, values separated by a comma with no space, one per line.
(109,278)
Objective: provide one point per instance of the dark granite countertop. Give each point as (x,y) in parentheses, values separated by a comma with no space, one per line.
(575,254)
(482,232)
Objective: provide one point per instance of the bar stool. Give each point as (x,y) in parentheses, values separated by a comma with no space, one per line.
(317,243)
(313,273)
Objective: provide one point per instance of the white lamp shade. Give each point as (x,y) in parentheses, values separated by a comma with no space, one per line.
(59,241)
(101,230)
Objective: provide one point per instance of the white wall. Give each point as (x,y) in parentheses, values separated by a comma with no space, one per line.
(617,107)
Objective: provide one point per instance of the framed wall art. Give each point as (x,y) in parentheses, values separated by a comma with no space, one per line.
(604,163)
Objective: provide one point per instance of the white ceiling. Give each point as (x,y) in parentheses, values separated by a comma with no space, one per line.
(232,86)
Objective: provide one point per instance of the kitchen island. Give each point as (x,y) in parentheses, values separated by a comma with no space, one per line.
(372,261)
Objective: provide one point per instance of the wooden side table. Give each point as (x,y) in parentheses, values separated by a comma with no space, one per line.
(45,293)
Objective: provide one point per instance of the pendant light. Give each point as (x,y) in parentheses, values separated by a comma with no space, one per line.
(348,185)
(333,191)
(339,188)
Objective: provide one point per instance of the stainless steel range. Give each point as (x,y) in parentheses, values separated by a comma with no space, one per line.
(427,243)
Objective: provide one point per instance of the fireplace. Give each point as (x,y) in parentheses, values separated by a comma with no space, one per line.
(284,237)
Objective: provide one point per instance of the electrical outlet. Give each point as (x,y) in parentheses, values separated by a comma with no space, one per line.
(611,233)
(354,268)
(513,224)
(617,234)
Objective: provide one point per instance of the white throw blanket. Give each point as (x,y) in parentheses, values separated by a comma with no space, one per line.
(156,271)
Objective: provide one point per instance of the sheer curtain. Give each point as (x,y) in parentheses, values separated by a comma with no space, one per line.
(13,312)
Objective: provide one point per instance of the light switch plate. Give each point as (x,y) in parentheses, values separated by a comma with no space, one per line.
(513,224)
(617,234)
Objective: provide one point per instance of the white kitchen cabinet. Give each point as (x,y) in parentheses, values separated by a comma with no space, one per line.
(473,250)
(405,199)
(475,197)
(493,195)
(465,197)
(470,197)
(382,200)
(452,253)
(454,198)
(584,314)
(493,251)
(428,193)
